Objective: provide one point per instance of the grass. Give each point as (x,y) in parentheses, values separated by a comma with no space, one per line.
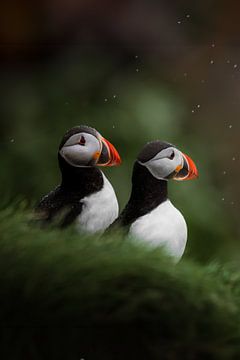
(68,296)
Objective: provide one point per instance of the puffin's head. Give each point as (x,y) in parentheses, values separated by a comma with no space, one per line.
(83,146)
(164,161)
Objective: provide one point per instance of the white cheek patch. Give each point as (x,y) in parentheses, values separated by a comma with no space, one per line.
(161,166)
(75,155)
(80,155)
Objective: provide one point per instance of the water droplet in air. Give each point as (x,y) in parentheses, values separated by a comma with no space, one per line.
(213,45)
(211,62)
(12,140)
(230,126)
(198,106)
(202,81)
(188,16)
(136,56)
(193,111)
(228,61)
(223,199)
(114,96)
(185,74)
(179,22)
(105,99)
(235,66)
(137,70)
(233,158)
(224,172)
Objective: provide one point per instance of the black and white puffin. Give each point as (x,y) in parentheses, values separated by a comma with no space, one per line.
(149,215)
(85,196)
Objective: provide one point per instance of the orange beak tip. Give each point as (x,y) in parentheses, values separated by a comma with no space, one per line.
(193,171)
(114,157)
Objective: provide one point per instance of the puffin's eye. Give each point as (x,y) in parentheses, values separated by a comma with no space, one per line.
(82,141)
(171,157)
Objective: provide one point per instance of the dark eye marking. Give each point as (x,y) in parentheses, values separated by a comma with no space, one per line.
(171,157)
(82,141)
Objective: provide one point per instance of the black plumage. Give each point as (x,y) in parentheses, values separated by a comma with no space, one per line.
(151,149)
(62,205)
(147,193)
(77,130)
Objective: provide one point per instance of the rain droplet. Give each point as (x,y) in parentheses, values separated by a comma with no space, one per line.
(230,126)
(228,61)
(198,106)
(232,202)
(223,199)
(233,158)
(193,111)
(202,81)
(105,99)
(235,66)
(185,74)
(114,96)
(179,22)
(211,62)
(136,56)
(113,126)
(213,45)
(224,172)
(188,16)
(12,140)
(137,70)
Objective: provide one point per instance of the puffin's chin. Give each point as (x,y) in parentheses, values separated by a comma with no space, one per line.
(76,164)
(77,156)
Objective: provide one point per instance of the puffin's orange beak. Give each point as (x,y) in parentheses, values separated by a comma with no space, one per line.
(188,171)
(192,169)
(109,155)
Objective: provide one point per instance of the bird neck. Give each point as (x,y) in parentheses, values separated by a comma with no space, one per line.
(147,191)
(83,180)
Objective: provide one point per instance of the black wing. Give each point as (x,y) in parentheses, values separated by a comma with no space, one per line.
(58,208)
(72,214)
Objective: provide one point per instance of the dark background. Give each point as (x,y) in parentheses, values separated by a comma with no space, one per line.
(137,71)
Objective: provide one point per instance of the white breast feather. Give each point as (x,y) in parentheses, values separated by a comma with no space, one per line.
(164,226)
(99,209)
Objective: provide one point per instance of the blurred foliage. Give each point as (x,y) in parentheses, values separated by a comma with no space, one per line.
(105,298)
(137,71)
(126,108)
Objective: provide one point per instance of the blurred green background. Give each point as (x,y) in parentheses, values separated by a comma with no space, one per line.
(137,71)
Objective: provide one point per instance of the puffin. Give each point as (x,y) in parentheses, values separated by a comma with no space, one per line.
(85,196)
(149,215)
